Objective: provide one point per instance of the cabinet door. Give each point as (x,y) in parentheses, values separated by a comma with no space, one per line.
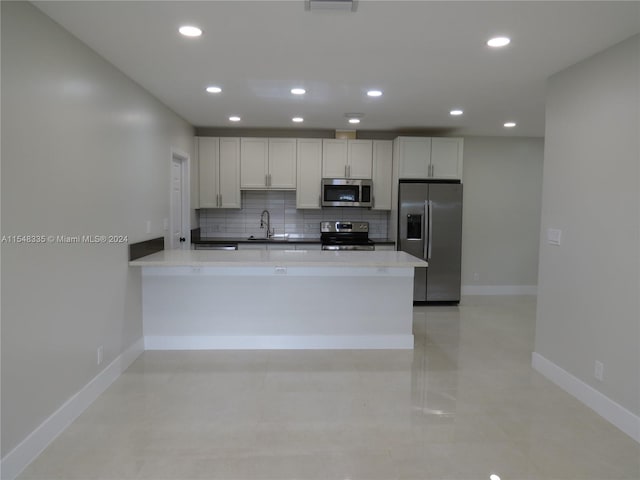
(414,157)
(446,158)
(334,158)
(382,174)
(280,246)
(254,163)
(208,171)
(309,173)
(309,246)
(359,158)
(229,173)
(282,163)
(252,246)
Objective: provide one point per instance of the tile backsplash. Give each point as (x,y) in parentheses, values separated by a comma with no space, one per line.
(285,218)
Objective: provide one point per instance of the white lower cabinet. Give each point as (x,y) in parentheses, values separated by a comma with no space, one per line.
(309,246)
(279,246)
(252,246)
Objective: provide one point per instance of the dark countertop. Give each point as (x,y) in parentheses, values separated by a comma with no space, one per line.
(197,239)
(232,240)
(223,240)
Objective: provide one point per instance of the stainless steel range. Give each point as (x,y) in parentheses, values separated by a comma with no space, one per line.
(345,235)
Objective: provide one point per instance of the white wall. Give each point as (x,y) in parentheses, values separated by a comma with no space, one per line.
(589,288)
(84,151)
(502,179)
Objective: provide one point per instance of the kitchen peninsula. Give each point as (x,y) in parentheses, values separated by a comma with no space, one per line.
(279,299)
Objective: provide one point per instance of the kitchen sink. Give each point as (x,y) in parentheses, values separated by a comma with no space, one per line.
(283,237)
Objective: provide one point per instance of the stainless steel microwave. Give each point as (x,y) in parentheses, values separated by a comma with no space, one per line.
(346,192)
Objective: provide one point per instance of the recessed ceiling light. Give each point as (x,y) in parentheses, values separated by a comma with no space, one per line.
(374,93)
(354,120)
(234,118)
(493,476)
(510,124)
(497,42)
(298,91)
(190,31)
(213,89)
(297,119)
(456,112)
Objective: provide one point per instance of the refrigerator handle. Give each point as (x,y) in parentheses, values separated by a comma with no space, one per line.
(430,207)
(426,246)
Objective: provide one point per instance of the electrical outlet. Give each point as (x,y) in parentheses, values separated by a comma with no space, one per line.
(165,224)
(554,236)
(476,276)
(599,371)
(99,353)
(148,226)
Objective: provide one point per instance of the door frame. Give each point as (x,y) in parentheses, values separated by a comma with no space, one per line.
(185,167)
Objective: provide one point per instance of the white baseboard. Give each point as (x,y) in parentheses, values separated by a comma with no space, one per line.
(280,342)
(614,413)
(499,290)
(32,446)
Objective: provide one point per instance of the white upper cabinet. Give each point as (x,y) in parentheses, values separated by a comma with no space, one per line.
(382,174)
(334,158)
(208,154)
(229,168)
(446,157)
(309,173)
(219,172)
(359,159)
(422,158)
(347,158)
(254,162)
(414,157)
(282,163)
(268,163)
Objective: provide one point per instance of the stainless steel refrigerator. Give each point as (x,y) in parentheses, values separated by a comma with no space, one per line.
(430,227)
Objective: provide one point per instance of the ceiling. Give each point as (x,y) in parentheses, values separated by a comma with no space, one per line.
(427,58)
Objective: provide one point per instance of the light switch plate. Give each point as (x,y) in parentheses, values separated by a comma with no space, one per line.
(554,236)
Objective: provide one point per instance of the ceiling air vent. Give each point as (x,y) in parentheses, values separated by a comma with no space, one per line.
(343,5)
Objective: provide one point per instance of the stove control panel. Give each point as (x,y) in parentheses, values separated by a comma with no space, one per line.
(344,227)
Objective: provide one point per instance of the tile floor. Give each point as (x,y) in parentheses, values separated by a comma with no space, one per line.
(464,404)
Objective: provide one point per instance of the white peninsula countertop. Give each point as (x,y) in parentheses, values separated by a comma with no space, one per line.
(278,299)
(278,258)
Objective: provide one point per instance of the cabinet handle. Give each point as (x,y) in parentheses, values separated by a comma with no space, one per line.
(349,167)
(346,175)
(269,179)
(219,199)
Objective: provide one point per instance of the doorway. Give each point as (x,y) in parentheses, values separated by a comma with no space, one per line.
(179,219)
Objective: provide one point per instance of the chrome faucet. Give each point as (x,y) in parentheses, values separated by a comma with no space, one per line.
(269,231)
